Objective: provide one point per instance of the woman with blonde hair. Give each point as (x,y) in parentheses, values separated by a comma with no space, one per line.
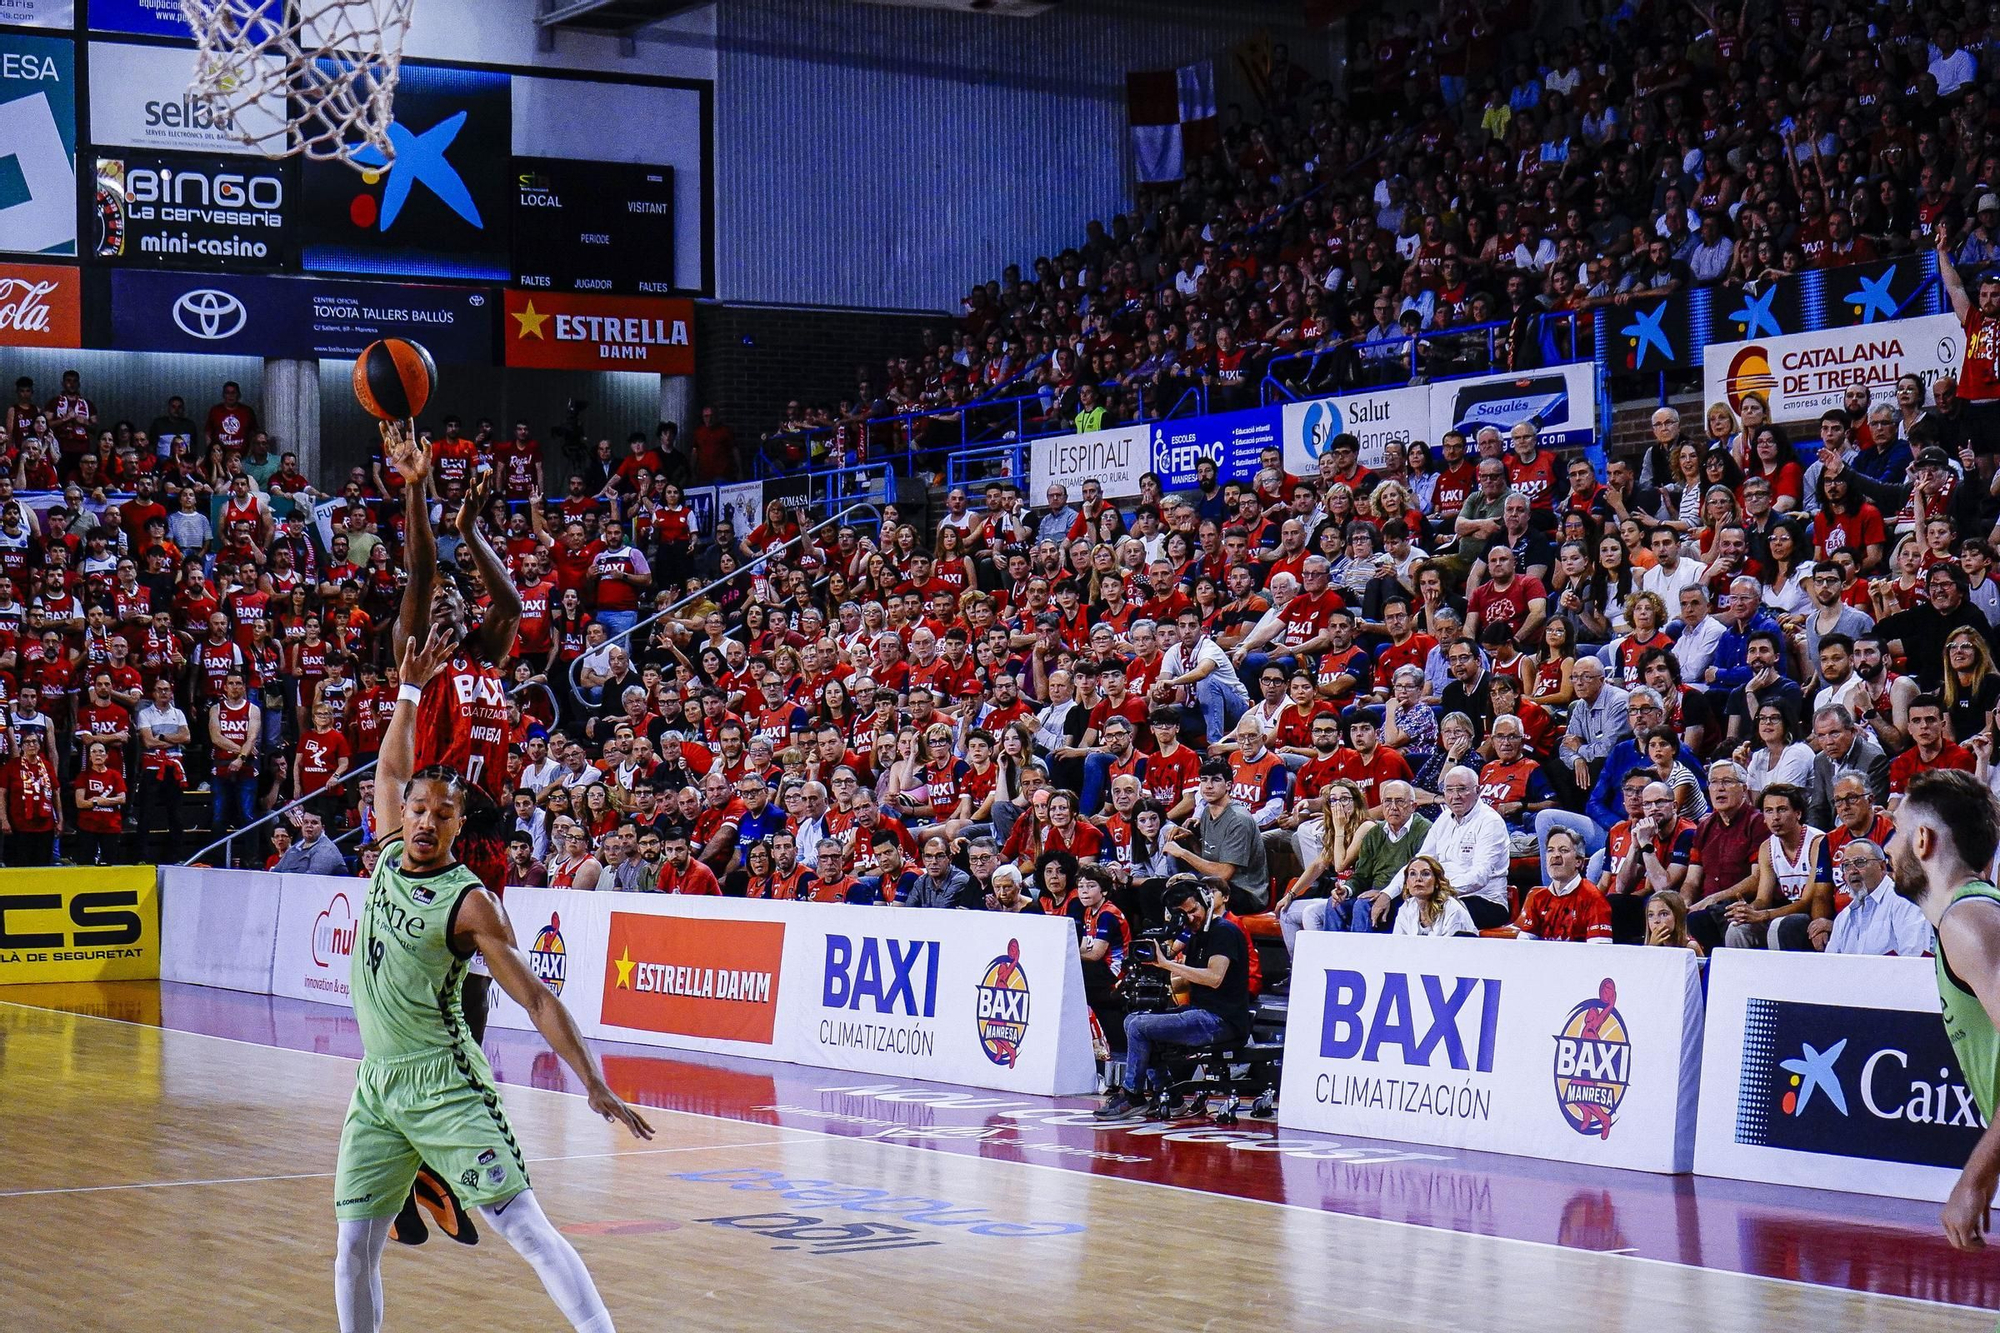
(1722,432)
(1647,614)
(1430,904)
(1341,828)
(1971,686)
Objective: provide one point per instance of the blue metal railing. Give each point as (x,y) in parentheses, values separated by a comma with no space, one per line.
(1401,359)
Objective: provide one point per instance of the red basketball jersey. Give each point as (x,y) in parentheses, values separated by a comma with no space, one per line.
(462,723)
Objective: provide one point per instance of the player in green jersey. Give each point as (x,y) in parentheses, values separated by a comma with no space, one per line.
(1947,830)
(424,1091)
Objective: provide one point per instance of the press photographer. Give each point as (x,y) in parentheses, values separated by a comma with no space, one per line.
(1217,992)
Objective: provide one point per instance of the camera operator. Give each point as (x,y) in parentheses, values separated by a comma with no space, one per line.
(1218,992)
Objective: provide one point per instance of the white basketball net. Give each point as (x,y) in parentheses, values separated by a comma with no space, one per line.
(320,83)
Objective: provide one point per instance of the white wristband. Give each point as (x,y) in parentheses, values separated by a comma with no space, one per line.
(410,694)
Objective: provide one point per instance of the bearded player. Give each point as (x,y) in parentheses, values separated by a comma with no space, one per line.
(461,725)
(424,1092)
(1947,829)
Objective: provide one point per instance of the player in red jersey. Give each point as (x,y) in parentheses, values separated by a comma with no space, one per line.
(462,718)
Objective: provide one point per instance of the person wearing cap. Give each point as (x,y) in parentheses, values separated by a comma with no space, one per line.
(1223,840)
(1934,477)
(1982,243)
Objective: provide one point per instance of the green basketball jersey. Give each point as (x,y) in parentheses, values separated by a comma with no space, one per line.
(405,975)
(1973,1037)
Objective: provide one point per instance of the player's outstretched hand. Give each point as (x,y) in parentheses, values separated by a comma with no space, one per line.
(410,457)
(418,665)
(475,503)
(613,1108)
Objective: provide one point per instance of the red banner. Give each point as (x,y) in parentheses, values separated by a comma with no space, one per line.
(41,305)
(571,331)
(693,976)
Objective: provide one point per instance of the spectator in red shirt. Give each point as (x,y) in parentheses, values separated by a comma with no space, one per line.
(29,806)
(681,872)
(1569,907)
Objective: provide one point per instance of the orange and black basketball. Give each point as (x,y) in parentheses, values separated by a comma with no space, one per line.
(394,378)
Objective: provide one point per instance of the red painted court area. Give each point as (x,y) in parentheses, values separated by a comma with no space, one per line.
(1881,1246)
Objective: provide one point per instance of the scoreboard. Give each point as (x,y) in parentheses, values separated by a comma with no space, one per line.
(593,227)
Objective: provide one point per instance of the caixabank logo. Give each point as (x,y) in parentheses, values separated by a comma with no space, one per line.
(1593,1063)
(440,206)
(1848,1081)
(1002,1010)
(548,956)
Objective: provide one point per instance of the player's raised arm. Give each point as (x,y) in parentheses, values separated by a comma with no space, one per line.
(398,755)
(482,923)
(411,458)
(503,602)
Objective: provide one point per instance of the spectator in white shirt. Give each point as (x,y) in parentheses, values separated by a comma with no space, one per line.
(1951,64)
(1470,841)
(1878,920)
(1198,666)
(1666,578)
(541,768)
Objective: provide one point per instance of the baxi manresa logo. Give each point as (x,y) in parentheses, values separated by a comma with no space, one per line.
(209,314)
(1002,1012)
(548,957)
(1593,1063)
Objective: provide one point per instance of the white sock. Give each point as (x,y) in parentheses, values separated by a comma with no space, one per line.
(555,1261)
(357,1274)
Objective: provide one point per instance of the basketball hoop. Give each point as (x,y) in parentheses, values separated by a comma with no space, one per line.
(314,78)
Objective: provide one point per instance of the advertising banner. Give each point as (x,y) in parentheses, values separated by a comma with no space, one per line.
(572,331)
(1834,1072)
(1803,374)
(442,208)
(180,208)
(1560,401)
(248,315)
(38,136)
(317,920)
(38,13)
(1232,439)
(139,99)
(79,925)
(593,226)
(1117,457)
(1374,416)
(958,997)
(155,18)
(41,305)
(1541,1049)
(218,927)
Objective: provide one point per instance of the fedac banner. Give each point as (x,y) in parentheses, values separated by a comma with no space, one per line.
(1542,1049)
(1801,375)
(38,144)
(1833,1072)
(442,209)
(251,315)
(79,925)
(974,998)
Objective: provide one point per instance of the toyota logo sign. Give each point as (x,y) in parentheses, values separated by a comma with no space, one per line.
(209,314)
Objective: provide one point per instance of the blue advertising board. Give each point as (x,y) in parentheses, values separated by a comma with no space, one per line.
(150,18)
(1231,440)
(38,144)
(253,315)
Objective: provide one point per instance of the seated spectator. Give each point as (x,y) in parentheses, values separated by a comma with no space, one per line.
(1431,905)
(1569,907)
(1877,920)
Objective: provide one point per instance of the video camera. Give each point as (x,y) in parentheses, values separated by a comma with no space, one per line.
(1146,989)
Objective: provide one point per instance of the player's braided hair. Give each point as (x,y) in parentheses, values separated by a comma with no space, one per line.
(453,780)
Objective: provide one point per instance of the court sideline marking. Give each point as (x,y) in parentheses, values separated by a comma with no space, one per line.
(327,1175)
(1073,1174)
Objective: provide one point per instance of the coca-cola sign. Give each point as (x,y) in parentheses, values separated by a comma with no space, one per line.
(41,305)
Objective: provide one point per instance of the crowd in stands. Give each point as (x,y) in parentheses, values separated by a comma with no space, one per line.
(1472,173)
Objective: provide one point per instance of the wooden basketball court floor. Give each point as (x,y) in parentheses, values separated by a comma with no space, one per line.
(166,1156)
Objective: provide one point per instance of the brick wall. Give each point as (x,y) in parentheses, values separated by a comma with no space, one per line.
(1632,422)
(752,359)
